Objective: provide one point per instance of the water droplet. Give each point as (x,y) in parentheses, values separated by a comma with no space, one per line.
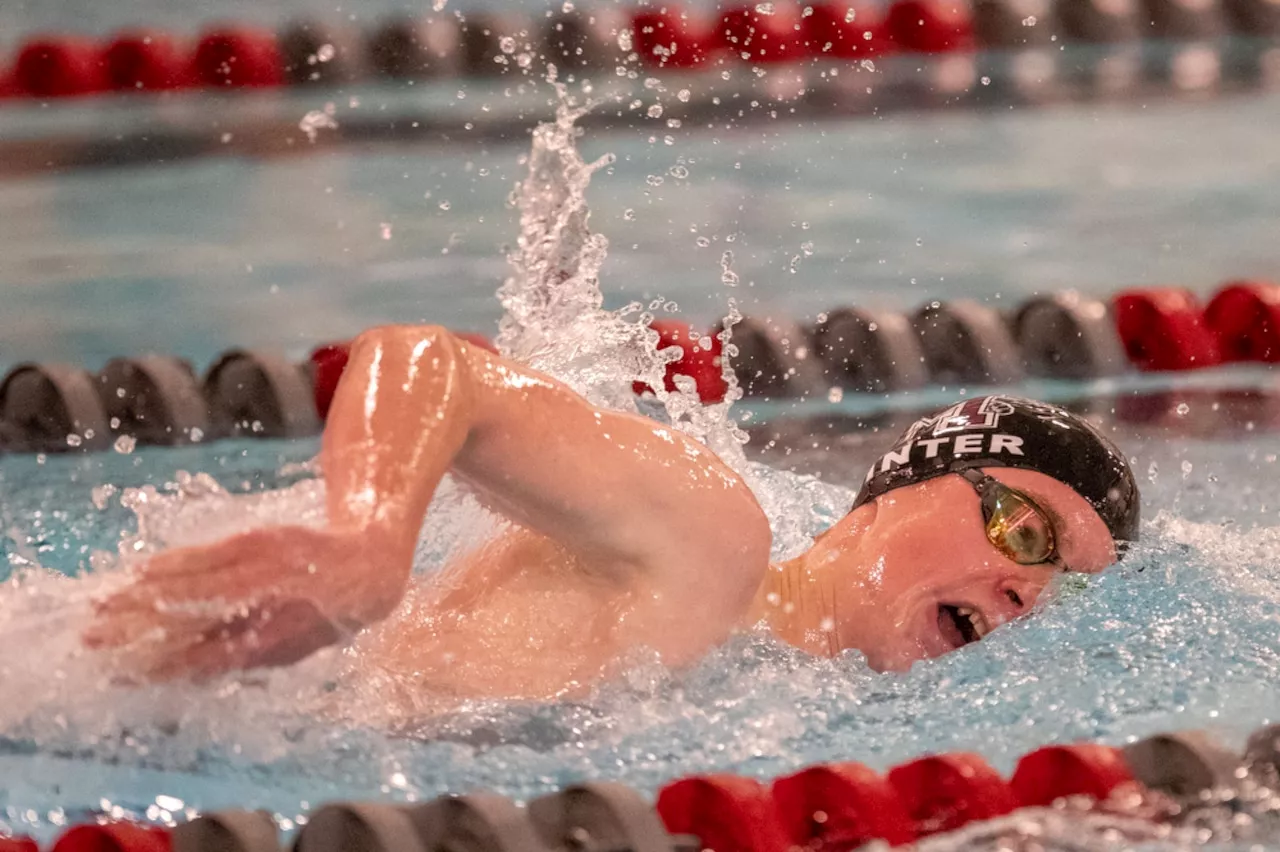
(316,120)
(867,65)
(1153,472)
(835,395)
(1183,409)
(1029,21)
(807,249)
(850,15)
(678,172)
(101,495)
(385,229)
(567,6)
(683,96)
(74,440)
(1186,468)
(702,242)
(629,215)
(764,8)
(507,44)
(654,111)
(654,180)
(445,205)
(728,277)
(986,81)
(197,434)
(125,444)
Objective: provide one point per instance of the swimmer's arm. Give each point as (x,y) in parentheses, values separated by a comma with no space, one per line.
(647,506)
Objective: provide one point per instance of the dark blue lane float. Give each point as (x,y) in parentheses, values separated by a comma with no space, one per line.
(157,400)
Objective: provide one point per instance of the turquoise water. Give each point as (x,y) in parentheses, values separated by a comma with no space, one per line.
(194,258)
(889,212)
(1181,635)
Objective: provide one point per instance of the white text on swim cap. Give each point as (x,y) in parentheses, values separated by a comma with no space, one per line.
(960,445)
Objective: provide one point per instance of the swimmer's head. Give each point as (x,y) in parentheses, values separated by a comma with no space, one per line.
(962,524)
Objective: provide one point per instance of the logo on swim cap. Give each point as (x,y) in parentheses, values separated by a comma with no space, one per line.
(1006,431)
(981,413)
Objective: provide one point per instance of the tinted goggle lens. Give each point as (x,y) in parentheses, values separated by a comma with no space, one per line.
(1016,526)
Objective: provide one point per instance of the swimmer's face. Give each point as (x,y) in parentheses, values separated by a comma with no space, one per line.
(916,576)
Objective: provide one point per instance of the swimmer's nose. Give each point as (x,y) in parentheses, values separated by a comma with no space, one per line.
(1015,598)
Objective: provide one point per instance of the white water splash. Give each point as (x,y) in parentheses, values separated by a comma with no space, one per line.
(555,321)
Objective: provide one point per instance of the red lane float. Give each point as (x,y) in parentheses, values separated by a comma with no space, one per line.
(725,812)
(840,806)
(59,67)
(1244,318)
(327,365)
(947,791)
(238,57)
(755,36)
(1163,329)
(930,26)
(846,31)
(147,61)
(1056,772)
(672,38)
(113,837)
(698,363)
(18,844)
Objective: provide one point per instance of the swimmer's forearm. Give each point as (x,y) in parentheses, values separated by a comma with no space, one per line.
(400,414)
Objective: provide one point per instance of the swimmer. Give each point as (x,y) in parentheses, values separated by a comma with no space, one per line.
(624,534)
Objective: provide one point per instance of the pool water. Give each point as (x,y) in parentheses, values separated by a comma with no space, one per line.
(887,212)
(216,253)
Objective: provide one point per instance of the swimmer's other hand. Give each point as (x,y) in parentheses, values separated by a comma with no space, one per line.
(267,597)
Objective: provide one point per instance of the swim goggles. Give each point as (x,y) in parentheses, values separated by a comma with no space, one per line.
(1015,525)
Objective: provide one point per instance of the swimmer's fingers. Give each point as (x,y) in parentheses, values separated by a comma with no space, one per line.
(249,565)
(159,646)
(279,633)
(127,620)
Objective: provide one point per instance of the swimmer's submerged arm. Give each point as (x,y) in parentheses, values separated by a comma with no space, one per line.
(642,503)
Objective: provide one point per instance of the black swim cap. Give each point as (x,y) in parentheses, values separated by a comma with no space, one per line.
(1006,431)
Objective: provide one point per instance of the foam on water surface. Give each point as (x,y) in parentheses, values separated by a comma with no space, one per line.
(1181,635)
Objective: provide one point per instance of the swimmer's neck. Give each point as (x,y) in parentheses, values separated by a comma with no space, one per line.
(809,601)
(796,601)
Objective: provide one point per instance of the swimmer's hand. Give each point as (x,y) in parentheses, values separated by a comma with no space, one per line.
(267,597)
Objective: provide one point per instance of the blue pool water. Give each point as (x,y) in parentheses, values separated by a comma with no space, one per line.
(197,257)
(290,252)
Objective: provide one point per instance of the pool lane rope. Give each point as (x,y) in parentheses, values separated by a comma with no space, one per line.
(832,807)
(451,45)
(159,400)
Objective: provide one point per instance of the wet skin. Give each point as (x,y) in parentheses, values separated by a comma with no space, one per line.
(627,537)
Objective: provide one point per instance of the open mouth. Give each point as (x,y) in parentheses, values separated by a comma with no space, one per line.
(961,625)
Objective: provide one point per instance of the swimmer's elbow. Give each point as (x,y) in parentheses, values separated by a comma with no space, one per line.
(383,337)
